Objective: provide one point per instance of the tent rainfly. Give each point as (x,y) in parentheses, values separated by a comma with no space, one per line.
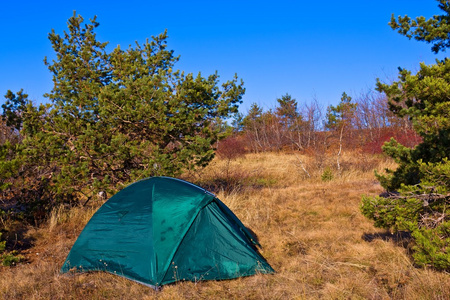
(161,230)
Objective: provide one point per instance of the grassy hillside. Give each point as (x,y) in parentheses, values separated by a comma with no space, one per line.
(311,231)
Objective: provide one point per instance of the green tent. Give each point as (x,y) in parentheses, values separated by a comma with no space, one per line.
(162,230)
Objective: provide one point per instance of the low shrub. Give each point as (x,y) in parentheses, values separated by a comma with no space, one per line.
(2,244)
(11,258)
(422,210)
(8,258)
(231,148)
(327,174)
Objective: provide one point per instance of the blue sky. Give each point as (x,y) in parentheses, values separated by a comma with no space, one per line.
(309,49)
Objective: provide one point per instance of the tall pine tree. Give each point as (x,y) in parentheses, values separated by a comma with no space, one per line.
(422,179)
(119,116)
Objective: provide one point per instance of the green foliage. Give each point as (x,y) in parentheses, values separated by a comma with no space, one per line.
(11,258)
(287,108)
(115,117)
(237,123)
(424,98)
(341,115)
(432,246)
(8,258)
(407,171)
(420,186)
(327,174)
(422,210)
(13,109)
(126,115)
(287,112)
(253,117)
(393,215)
(2,244)
(9,164)
(435,30)
(10,125)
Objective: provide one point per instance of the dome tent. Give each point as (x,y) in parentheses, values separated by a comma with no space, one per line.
(162,230)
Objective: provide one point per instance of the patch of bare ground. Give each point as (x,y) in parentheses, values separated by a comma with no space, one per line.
(311,231)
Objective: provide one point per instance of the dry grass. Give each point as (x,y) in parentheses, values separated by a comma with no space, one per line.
(312,234)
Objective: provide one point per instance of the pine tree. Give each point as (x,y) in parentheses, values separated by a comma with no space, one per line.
(421,183)
(13,109)
(287,109)
(340,116)
(339,119)
(291,121)
(119,116)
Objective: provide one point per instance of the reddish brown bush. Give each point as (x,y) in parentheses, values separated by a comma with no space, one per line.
(406,137)
(231,148)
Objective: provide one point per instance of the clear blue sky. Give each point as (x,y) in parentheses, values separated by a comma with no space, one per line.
(305,48)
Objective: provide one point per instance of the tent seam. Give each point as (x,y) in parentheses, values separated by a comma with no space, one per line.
(184,236)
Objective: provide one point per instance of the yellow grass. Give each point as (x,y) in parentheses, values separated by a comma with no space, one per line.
(311,232)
